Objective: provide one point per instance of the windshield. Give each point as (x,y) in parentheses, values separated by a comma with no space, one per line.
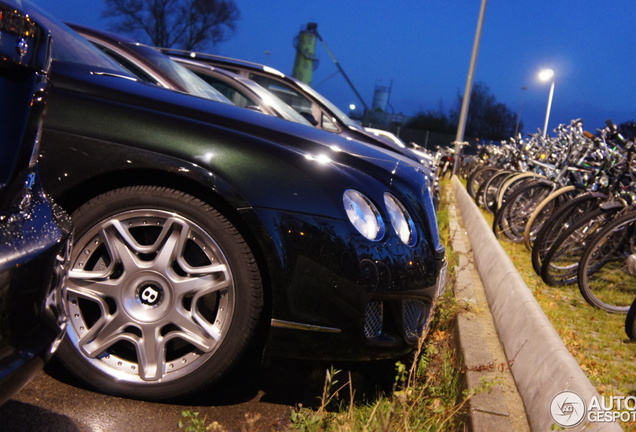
(285,111)
(188,80)
(326,102)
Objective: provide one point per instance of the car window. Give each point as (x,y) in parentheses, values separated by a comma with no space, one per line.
(232,93)
(295,99)
(189,80)
(131,66)
(274,102)
(327,124)
(163,69)
(287,94)
(330,106)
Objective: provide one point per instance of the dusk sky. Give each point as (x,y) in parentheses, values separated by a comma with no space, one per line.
(422,50)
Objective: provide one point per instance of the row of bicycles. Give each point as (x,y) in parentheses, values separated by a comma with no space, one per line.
(571,200)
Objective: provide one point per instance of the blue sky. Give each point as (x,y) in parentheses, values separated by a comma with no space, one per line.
(422,49)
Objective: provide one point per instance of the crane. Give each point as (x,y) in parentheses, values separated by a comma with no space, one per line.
(306,62)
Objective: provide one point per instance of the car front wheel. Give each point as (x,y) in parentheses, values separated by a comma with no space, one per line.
(164,294)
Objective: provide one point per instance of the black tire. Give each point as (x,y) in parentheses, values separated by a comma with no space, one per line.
(512,183)
(561,262)
(607,271)
(630,321)
(511,219)
(487,194)
(545,210)
(564,216)
(477,178)
(164,294)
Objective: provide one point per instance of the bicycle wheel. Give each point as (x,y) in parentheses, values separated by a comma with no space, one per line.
(487,194)
(566,215)
(561,262)
(630,321)
(607,271)
(544,211)
(512,183)
(511,219)
(477,178)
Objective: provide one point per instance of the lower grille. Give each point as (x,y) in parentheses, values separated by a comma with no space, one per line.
(380,321)
(373,320)
(416,315)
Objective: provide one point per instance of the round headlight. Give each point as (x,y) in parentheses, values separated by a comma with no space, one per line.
(401,220)
(364,216)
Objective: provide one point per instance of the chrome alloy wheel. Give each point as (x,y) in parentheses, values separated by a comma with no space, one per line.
(150,296)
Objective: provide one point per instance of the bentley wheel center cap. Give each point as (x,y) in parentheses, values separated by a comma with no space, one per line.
(149,295)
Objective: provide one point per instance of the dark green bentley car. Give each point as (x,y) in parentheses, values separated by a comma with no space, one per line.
(203,229)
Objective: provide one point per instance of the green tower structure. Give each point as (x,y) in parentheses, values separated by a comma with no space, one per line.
(306,61)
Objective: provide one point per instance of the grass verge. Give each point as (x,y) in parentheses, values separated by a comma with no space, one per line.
(595,338)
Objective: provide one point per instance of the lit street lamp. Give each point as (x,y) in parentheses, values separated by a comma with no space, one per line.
(547,75)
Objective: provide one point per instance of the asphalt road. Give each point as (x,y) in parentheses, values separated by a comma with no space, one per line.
(249,401)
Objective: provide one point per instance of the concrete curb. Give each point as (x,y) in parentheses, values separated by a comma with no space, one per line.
(541,365)
(500,408)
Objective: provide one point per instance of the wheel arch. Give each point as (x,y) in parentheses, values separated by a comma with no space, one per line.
(92,187)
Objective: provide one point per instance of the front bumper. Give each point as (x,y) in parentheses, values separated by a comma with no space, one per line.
(340,297)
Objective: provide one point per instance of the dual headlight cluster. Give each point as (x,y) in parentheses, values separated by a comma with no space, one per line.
(366,218)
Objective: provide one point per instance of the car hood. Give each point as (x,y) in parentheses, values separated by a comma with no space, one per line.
(312,142)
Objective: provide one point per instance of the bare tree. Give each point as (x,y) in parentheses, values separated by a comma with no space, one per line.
(487,118)
(185,24)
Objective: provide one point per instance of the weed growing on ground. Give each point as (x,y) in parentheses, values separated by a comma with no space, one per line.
(426,396)
(192,422)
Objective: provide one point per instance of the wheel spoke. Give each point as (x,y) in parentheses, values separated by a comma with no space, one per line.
(195,330)
(94,290)
(124,231)
(200,286)
(151,354)
(103,271)
(108,328)
(104,333)
(120,248)
(167,252)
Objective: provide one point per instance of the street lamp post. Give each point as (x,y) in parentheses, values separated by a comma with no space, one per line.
(547,75)
(523,90)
